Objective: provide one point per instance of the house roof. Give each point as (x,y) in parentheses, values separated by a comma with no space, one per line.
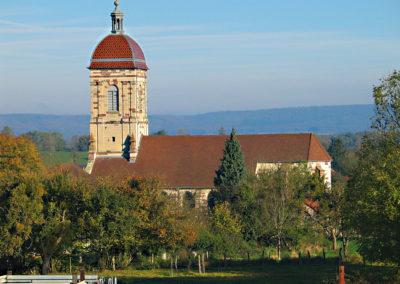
(191,161)
(118,51)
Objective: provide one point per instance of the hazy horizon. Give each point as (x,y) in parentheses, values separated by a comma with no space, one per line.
(194,114)
(203,57)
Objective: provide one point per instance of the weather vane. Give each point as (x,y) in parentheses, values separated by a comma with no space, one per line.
(116,3)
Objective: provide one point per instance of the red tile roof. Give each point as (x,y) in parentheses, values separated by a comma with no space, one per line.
(118,52)
(191,161)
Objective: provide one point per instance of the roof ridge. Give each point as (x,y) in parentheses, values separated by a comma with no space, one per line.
(129,44)
(239,135)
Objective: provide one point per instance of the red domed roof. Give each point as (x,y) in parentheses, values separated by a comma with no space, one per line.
(118,51)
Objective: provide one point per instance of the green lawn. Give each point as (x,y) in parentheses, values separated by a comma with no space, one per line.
(258,272)
(51,158)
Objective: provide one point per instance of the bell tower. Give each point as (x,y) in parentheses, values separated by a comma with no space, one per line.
(118,88)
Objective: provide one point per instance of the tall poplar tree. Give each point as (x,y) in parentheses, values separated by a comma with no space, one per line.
(230,173)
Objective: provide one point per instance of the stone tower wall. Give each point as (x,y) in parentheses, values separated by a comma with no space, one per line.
(109,130)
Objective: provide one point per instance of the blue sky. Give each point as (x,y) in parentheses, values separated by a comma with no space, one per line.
(205,55)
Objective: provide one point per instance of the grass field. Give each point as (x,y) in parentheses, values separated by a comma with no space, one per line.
(51,158)
(255,272)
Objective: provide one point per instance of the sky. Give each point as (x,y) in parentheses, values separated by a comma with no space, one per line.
(204,56)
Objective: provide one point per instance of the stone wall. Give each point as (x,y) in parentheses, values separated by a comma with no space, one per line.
(110,130)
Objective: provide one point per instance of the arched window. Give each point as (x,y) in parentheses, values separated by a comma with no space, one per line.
(113,99)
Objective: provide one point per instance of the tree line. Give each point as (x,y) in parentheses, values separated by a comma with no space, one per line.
(53,141)
(52,221)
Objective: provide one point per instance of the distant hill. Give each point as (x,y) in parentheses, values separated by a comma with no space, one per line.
(320,120)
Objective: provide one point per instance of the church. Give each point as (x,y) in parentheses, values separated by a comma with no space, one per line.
(120,145)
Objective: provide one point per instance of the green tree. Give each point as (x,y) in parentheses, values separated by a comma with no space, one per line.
(62,204)
(47,141)
(6,131)
(230,173)
(80,143)
(281,205)
(247,209)
(344,159)
(21,193)
(387,103)
(337,151)
(226,229)
(158,216)
(161,132)
(373,198)
(328,204)
(113,223)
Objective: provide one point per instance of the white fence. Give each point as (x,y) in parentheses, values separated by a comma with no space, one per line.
(47,279)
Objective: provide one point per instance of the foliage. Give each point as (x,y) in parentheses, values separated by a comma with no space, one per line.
(79,143)
(387,103)
(159,216)
(226,231)
(337,151)
(47,141)
(112,223)
(20,193)
(230,173)
(63,208)
(281,205)
(329,210)
(247,209)
(373,198)
(6,131)
(161,132)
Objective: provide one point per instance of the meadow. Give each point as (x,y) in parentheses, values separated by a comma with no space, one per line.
(54,158)
(263,271)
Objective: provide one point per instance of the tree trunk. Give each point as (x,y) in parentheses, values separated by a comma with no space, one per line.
(340,255)
(113,263)
(70,265)
(299,257)
(345,247)
(176,262)
(203,263)
(172,266)
(46,264)
(225,257)
(189,266)
(199,261)
(248,256)
(279,249)
(324,253)
(263,253)
(334,240)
